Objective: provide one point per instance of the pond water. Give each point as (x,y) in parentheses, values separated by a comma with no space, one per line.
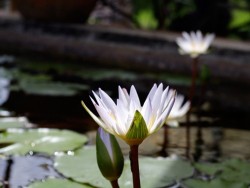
(48,94)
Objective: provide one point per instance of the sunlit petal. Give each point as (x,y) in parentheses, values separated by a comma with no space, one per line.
(122,117)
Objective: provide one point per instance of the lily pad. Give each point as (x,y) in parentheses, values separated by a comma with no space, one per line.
(55,183)
(26,169)
(13,122)
(40,140)
(236,170)
(209,168)
(101,74)
(216,183)
(158,172)
(82,167)
(49,88)
(230,170)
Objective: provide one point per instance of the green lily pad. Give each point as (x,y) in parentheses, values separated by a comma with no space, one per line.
(49,88)
(55,183)
(216,183)
(158,172)
(236,170)
(41,140)
(100,74)
(29,168)
(230,170)
(209,168)
(82,167)
(13,122)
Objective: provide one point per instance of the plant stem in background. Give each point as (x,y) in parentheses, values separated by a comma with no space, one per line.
(135,165)
(114,184)
(191,95)
(164,150)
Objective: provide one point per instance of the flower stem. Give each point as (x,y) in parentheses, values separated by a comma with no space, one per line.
(191,95)
(114,184)
(135,165)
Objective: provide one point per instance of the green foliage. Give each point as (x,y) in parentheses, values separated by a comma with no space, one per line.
(56,183)
(144,14)
(9,122)
(240,18)
(49,141)
(233,173)
(82,167)
(216,183)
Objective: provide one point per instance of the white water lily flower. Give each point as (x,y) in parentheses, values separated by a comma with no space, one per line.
(127,118)
(194,44)
(178,110)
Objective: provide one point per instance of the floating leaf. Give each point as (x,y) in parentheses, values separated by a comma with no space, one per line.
(50,88)
(230,170)
(217,183)
(13,122)
(82,167)
(40,140)
(26,169)
(209,168)
(158,172)
(56,183)
(236,170)
(101,74)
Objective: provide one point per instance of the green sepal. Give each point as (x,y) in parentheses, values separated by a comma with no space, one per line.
(138,129)
(111,167)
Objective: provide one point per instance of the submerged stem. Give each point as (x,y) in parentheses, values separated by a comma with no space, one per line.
(114,184)
(135,165)
(191,95)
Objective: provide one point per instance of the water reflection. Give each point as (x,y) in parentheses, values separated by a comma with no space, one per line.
(4,87)
(4,79)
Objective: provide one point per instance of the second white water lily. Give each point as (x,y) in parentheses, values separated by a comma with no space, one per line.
(179,110)
(127,118)
(194,44)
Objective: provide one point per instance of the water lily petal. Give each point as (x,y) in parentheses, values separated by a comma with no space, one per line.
(95,118)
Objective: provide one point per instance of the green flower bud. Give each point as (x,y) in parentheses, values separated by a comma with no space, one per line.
(109,155)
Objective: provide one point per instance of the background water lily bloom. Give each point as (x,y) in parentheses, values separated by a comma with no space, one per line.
(194,44)
(179,109)
(127,118)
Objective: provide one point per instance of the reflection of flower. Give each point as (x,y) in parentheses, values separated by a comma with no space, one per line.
(128,119)
(194,44)
(178,110)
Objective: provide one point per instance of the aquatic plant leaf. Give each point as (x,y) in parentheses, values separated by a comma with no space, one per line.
(216,183)
(102,74)
(29,168)
(82,167)
(234,170)
(13,122)
(158,172)
(40,140)
(50,88)
(209,168)
(56,183)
